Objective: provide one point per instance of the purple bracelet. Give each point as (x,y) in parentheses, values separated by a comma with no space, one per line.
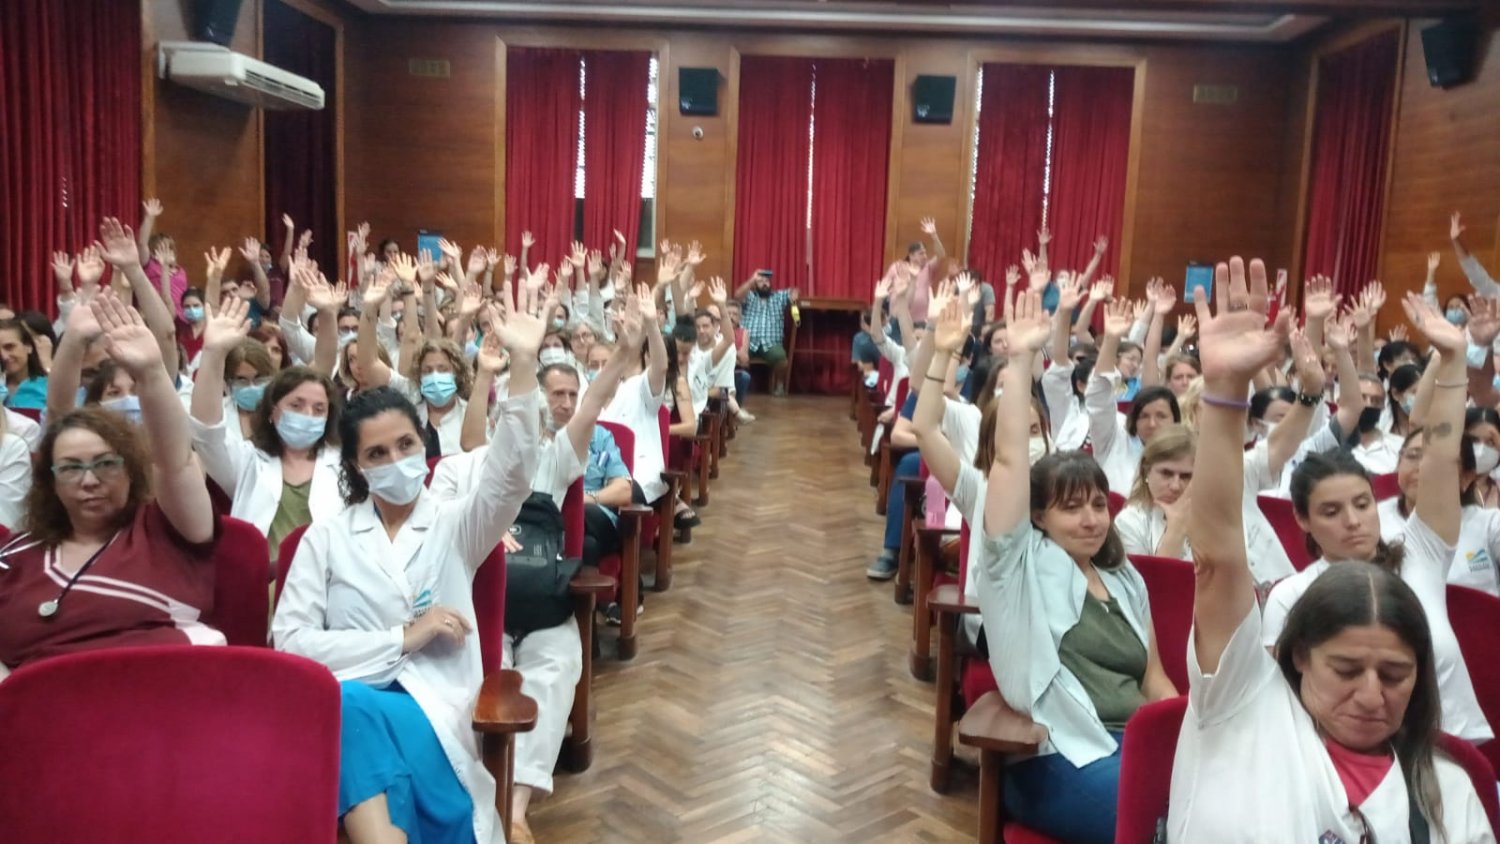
(1215,401)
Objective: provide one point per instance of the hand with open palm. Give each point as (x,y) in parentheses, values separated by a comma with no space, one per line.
(1030,326)
(127,340)
(950,330)
(1234,341)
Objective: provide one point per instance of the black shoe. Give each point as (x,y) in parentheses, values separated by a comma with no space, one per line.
(613,615)
(685,520)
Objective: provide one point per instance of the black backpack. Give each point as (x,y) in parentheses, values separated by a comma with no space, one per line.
(537,578)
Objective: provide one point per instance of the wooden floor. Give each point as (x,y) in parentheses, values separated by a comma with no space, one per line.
(770,700)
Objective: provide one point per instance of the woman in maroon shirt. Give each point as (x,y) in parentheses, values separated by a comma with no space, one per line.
(101,563)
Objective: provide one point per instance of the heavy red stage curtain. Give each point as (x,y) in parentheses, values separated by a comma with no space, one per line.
(70,142)
(770,202)
(614,146)
(300,145)
(1091,116)
(1351,141)
(541,149)
(1011,164)
(851,161)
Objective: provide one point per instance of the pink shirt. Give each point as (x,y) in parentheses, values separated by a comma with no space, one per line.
(919,296)
(179,282)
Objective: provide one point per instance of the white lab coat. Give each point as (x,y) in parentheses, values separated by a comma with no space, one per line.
(350,590)
(252,478)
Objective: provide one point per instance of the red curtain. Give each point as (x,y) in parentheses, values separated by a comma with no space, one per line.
(1090,154)
(70,140)
(1012,160)
(300,145)
(1351,140)
(851,159)
(614,147)
(541,149)
(770,202)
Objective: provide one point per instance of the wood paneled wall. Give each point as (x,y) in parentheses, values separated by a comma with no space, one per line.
(201,154)
(1446,158)
(425,152)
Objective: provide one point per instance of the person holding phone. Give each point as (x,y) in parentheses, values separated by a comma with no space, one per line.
(764,314)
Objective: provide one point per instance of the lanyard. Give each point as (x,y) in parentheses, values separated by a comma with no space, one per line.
(47,609)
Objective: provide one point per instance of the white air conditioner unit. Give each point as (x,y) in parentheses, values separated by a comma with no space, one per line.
(224,73)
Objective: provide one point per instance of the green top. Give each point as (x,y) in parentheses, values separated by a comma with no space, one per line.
(291,513)
(1109,661)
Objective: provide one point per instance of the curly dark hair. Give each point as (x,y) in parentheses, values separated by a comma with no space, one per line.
(364,406)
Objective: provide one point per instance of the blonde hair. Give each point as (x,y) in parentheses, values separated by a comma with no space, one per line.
(1173,442)
(1189,400)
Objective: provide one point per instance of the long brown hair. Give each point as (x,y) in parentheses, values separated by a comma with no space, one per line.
(263,431)
(45,518)
(1062,475)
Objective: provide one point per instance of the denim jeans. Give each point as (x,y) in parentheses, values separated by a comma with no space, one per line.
(910,464)
(1077,805)
(741,386)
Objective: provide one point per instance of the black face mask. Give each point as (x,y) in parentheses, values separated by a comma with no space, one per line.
(1368,419)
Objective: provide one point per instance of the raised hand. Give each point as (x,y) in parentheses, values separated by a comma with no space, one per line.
(1069,292)
(477,260)
(404,267)
(473,299)
(578,255)
(951,329)
(1187,324)
(1102,289)
(1163,297)
(116,243)
(522,333)
(452,252)
(446,282)
(1309,365)
(379,287)
(1427,319)
(1029,326)
(1101,244)
(695,254)
(324,297)
(510,265)
(286,220)
(596,264)
(1028,261)
(1484,320)
(1433,259)
(647,305)
(491,259)
(1280,291)
(1455,226)
(305,240)
(1118,315)
(250,250)
(1398,333)
(1012,276)
(964,282)
(1043,236)
(153,208)
(1139,308)
(718,292)
(81,320)
(666,265)
(491,359)
(1339,333)
(1234,341)
(1374,297)
(527,241)
(217,262)
(62,270)
(929,226)
(1318,299)
(127,340)
(226,325)
(940,298)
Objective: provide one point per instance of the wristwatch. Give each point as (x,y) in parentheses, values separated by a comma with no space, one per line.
(1308,399)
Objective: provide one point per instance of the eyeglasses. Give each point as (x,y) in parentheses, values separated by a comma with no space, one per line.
(105,469)
(237,383)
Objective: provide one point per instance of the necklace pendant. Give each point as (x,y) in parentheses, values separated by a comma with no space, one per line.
(47,609)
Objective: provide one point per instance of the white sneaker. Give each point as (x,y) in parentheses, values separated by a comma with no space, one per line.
(744,416)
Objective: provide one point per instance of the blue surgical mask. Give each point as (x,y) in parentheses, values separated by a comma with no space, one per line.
(591,374)
(194,313)
(5,392)
(347,337)
(127,406)
(247,397)
(299,430)
(1456,316)
(471,350)
(1408,402)
(400,482)
(438,388)
(559,324)
(1496,382)
(79,397)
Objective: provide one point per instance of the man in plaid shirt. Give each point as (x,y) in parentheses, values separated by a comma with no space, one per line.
(764,312)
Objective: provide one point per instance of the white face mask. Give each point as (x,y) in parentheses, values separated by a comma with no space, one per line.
(1036,449)
(400,482)
(552,355)
(1485,458)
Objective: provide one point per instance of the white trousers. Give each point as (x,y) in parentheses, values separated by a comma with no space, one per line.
(550,662)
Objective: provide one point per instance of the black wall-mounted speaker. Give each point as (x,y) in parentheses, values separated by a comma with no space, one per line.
(698,90)
(932,99)
(215,20)
(1449,50)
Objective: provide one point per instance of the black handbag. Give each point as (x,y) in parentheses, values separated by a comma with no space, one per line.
(538,577)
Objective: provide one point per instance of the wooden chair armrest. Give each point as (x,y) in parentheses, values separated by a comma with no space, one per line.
(947,598)
(590,581)
(501,707)
(939,532)
(634,511)
(670,475)
(992,725)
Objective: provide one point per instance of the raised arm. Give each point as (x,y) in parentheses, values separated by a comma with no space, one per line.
(1319,302)
(289,239)
(62,381)
(178,482)
(1100,246)
(376,373)
(1099,291)
(527,241)
(1162,298)
(116,246)
(602,389)
(487,366)
(1069,292)
(224,327)
(1371,300)
(1484,326)
(1288,435)
(1233,343)
(656,361)
(1340,335)
(1473,270)
(929,228)
(327,299)
(1011,470)
(251,252)
(1438,494)
(151,209)
(927,420)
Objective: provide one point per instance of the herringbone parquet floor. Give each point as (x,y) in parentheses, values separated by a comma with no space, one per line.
(770,701)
